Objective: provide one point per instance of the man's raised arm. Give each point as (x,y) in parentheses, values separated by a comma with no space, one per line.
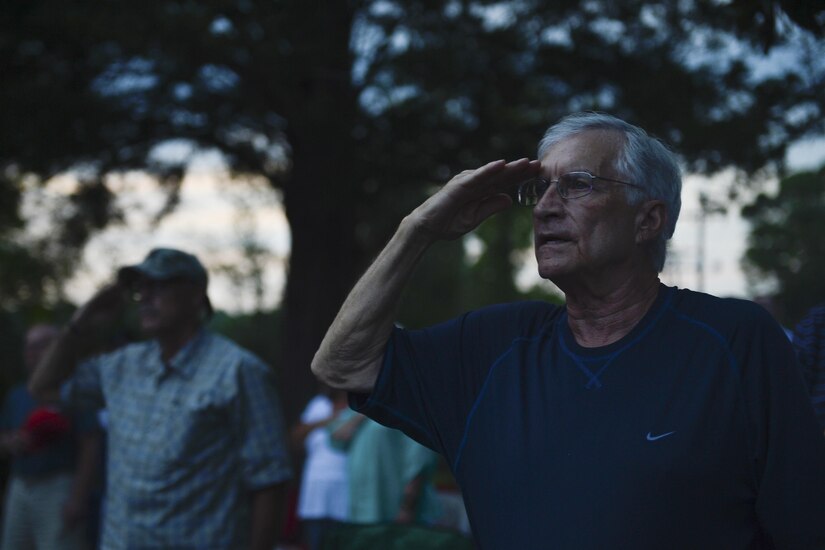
(351,353)
(61,358)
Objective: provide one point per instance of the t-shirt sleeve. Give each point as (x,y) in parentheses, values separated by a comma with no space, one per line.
(264,456)
(430,378)
(84,390)
(789,445)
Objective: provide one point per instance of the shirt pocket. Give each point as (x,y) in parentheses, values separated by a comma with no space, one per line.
(197,431)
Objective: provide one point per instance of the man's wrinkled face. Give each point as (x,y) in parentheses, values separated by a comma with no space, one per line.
(166,305)
(588,235)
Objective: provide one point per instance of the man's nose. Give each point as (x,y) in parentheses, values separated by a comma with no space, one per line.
(550,203)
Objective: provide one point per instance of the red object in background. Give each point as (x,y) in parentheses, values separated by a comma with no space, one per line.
(292,525)
(44,426)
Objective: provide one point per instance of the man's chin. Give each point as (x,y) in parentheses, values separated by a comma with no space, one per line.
(149,328)
(552,271)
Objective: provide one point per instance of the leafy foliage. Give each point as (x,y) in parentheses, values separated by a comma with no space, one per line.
(786,244)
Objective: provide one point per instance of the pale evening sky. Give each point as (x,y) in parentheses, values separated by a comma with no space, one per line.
(216,217)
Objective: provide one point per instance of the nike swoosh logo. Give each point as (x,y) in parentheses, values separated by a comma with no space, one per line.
(651,437)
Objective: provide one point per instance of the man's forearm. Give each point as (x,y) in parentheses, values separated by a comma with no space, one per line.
(344,433)
(408,507)
(300,432)
(56,366)
(90,448)
(268,512)
(76,339)
(350,355)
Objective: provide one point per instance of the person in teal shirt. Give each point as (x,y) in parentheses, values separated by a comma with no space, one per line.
(390,475)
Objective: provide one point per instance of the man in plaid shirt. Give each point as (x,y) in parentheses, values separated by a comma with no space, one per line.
(196,449)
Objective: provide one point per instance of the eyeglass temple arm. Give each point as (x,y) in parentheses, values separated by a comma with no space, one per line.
(618,181)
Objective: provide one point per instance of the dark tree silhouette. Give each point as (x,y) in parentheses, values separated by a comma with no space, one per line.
(352,108)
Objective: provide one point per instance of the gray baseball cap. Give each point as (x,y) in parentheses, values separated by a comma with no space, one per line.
(163,264)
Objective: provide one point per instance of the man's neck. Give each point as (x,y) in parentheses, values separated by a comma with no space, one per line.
(173,341)
(600,316)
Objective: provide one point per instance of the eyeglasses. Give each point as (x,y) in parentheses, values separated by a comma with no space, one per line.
(572,185)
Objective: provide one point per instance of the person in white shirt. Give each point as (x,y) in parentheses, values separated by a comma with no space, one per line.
(323,499)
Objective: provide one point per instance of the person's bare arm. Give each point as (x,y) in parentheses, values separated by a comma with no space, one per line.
(268,509)
(86,476)
(409,500)
(344,433)
(350,355)
(300,431)
(61,358)
(58,364)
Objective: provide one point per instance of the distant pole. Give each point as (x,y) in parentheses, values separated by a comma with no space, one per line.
(706,207)
(700,242)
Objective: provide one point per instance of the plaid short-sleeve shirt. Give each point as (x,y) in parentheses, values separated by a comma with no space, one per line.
(188,441)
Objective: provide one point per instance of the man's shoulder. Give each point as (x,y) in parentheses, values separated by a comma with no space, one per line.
(705,306)
(728,316)
(218,346)
(132,350)
(503,322)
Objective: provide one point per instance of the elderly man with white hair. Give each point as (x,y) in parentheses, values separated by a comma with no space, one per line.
(637,415)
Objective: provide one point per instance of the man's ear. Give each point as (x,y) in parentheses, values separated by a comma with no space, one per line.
(650,221)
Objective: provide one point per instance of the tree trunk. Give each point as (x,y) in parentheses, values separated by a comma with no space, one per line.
(320,197)
(320,274)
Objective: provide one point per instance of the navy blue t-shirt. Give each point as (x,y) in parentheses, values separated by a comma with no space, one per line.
(693,431)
